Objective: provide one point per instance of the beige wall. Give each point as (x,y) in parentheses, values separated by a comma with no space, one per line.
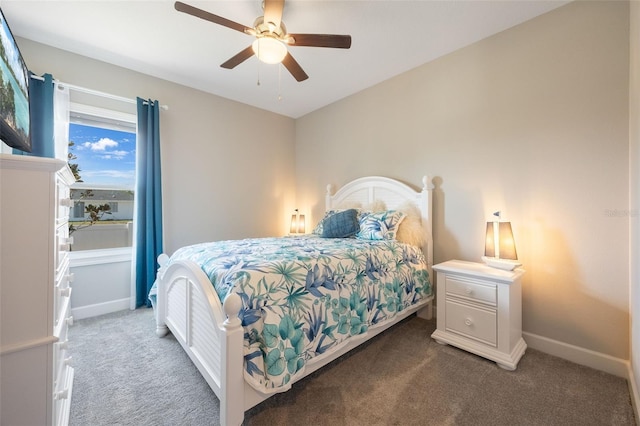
(227,167)
(533,122)
(634,193)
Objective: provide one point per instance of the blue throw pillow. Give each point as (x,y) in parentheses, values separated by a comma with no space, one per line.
(341,225)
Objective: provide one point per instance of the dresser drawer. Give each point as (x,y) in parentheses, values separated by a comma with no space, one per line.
(63,276)
(473,290)
(63,201)
(61,358)
(63,317)
(62,398)
(62,298)
(62,245)
(472,322)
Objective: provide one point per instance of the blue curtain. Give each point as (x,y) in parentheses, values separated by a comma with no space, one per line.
(41,118)
(148,220)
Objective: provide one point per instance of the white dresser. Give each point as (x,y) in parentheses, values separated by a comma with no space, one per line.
(480,310)
(36,373)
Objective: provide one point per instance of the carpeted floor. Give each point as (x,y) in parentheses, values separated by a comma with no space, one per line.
(125,375)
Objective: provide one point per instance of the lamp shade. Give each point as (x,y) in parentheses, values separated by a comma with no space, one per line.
(499,242)
(297,223)
(269,50)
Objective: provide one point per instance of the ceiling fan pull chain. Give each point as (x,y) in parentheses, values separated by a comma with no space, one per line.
(280,81)
(259,68)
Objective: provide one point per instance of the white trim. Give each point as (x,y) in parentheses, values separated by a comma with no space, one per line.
(100,257)
(102,113)
(100,308)
(633,391)
(599,361)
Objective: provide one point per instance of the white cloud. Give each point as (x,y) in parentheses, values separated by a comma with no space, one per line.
(114,155)
(101,145)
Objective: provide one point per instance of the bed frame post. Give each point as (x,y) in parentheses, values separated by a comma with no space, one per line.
(161,304)
(427,196)
(232,403)
(327,197)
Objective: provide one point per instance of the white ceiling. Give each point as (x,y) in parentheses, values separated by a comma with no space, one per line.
(388,38)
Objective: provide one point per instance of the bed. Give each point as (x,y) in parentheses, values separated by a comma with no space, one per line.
(257,315)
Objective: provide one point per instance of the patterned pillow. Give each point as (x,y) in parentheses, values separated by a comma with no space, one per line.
(380,226)
(341,225)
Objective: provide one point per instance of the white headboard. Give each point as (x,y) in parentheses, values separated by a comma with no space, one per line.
(394,193)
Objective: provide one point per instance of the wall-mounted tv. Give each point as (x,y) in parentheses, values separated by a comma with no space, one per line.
(14,92)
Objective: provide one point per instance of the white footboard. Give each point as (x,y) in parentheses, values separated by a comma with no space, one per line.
(211,334)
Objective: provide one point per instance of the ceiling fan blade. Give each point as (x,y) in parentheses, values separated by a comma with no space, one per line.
(321,40)
(294,68)
(273,11)
(238,59)
(199,13)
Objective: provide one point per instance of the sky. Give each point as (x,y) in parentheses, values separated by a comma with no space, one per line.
(105,157)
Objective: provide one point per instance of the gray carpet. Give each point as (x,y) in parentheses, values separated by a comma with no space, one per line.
(125,375)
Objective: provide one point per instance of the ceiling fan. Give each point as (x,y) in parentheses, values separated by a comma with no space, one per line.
(272,39)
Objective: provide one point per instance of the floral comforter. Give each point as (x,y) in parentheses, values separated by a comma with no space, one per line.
(304,296)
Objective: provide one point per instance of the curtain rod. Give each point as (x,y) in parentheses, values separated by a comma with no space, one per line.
(95,92)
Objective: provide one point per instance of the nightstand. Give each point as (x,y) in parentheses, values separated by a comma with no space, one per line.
(480,310)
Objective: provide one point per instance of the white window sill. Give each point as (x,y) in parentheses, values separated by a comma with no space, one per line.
(101,256)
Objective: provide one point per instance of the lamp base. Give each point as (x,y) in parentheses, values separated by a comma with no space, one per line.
(505,264)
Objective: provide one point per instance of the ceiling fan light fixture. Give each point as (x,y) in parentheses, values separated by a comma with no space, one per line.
(269,50)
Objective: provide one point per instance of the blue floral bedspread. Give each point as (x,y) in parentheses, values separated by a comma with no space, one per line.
(304,296)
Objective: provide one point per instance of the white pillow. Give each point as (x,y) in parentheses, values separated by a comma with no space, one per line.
(376,206)
(346,205)
(410,230)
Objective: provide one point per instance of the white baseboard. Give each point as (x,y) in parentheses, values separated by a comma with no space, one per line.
(635,396)
(599,361)
(100,308)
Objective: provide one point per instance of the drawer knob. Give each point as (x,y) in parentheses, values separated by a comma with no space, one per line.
(468,322)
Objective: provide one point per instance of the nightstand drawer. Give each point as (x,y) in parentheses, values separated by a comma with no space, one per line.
(474,290)
(472,322)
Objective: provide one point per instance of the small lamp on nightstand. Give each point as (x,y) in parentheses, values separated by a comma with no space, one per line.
(297,223)
(500,247)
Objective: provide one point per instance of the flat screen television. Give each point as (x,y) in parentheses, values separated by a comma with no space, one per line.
(14,92)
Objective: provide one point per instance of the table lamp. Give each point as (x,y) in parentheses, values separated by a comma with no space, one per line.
(500,247)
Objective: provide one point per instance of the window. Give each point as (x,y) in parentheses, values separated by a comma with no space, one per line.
(102,146)
(78,209)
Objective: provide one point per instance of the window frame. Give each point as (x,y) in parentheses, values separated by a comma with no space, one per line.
(89,115)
